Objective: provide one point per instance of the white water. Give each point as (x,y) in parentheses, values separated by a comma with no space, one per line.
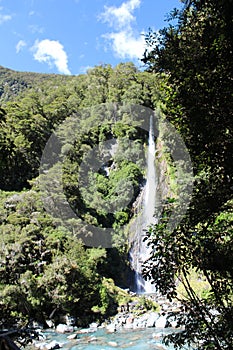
(131,339)
(150,190)
(146,207)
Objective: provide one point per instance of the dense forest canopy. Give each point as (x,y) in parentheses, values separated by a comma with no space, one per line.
(45,269)
(28,119)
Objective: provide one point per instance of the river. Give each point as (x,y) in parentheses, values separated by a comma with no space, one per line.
(144,339)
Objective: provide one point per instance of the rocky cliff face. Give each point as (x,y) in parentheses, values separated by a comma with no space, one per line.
(163,186)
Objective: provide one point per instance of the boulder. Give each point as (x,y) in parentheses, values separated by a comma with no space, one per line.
(112,343)
(63,328)
(152,318)
(72,336)
(40,345)
(92,339)
(93,325)
(161,322)
(48,346)
(87,330)
(50,323)
(70,320)
(111,328)
(53,345)
(129,326)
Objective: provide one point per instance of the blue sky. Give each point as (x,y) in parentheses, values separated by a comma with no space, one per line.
(69,36)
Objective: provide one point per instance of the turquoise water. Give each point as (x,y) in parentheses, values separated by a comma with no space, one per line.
(144,339)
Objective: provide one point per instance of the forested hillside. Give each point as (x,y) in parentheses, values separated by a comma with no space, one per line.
(12,83)
(46,269)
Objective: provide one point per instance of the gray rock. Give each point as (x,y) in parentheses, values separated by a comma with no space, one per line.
(129,326)
(161,322)
(53,345)
(40,345)
(92,339)
(70,320)
(50,323)
(93,326)
(37,325)
(48,346)
(111,328)
(113,343)
(72,336)
(87,330)
(152,318)
(63,328)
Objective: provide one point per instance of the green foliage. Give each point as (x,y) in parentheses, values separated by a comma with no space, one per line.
(35,104)
(108,299)
(194,266)
(144,304)
(198,97)
(195,57)
(13,83)
(105,197)
(45,270)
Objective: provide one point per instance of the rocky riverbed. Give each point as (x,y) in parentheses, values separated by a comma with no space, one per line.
(129,328)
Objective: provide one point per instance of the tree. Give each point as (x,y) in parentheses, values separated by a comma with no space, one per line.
(45,270)
(195,57)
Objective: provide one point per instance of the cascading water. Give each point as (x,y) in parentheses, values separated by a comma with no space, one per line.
(145,216)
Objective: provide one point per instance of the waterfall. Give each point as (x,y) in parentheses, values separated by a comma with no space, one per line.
(150,190)
(144,216)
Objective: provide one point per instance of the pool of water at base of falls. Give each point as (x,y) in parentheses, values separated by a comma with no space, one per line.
(143,339)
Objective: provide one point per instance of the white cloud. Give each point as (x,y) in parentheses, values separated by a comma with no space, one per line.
(51,52)
(34,28)
(4,18)
(120,17)
(123,40)
(125,45)
(20,45)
